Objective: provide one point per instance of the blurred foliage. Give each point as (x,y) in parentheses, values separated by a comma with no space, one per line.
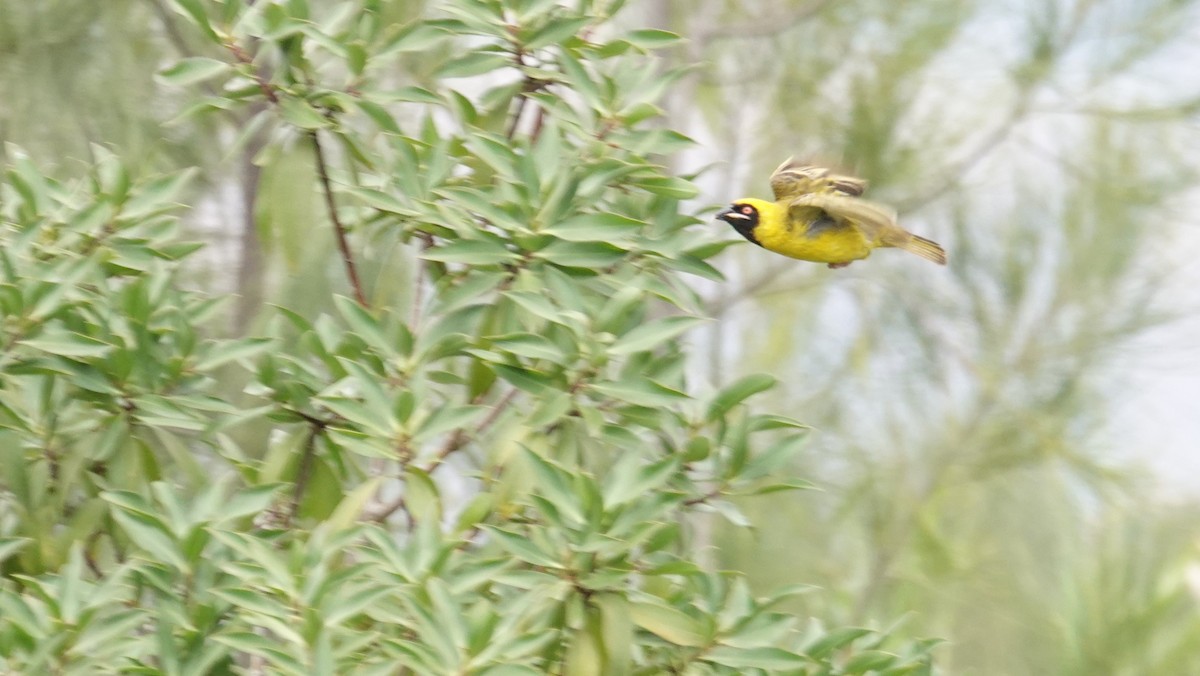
(482,456)
(976,481)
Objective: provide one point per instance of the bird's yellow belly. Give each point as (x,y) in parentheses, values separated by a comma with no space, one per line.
(834,245)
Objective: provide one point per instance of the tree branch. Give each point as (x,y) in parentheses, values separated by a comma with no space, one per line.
(339,230)
(242,57)
(249,269)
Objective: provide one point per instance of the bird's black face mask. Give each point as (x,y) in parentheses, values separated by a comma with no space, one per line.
(743,218)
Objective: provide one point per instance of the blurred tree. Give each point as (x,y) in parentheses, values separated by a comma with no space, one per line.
(964,416)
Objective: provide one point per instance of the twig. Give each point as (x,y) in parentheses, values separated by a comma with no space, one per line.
(268,91)
(339,229)
(516,115)
(386,511)
(703,499)
(249,269)
(519,57)
(89,557)
(267,88)
(538,122)
(529,85)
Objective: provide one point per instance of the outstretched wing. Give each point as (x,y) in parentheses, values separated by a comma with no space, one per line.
(876,221)
(792,179)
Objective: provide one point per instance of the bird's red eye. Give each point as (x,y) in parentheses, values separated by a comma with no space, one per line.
(747,210)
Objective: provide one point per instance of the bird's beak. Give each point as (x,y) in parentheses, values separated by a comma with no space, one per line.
(730,214)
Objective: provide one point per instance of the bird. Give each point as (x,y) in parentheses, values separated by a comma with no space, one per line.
(820,216)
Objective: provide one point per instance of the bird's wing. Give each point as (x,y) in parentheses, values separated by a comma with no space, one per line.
(792,179)
(848,185)
(873,220)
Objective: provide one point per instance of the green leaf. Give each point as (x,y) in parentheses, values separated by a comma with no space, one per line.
(756,658)
(364,324)
(471,252)
(101,635)
(649,336)
(536,304)
(838,638)
(157,195)
(473,63)
(497,153)
(475,512)
(737,392)
(344,607)
(667,623)
(522,547)
(69,345)
(597,228)
(421,496)
(448,418)
(529,345)
(356,56)
(869,660)
(299,113)
(351,507)
(781,486)
(555,484)
(194,10)
(582,254)
(192,70)
(528,380)
(628,480)
(762,423)
(416,37)
(580,80)
(378,199)
(150,535)
(268,648)
(233,350)
(616,630)
(778,455)
(528,10)
(652,39)
(252,500)
(10,546)
(668,186)
(583,657)
(556,31)
(639,392)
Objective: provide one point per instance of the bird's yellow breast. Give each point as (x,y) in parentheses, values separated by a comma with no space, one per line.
(829,244)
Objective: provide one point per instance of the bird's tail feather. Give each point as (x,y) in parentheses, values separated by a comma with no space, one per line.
(925,248)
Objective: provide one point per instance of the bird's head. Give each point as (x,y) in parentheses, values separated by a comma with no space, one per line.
(743,215)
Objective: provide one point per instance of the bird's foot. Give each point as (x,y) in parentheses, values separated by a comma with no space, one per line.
(835,266)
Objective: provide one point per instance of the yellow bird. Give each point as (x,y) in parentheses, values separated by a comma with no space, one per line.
(819,216)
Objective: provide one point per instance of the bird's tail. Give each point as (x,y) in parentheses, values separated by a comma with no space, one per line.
(924,248)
